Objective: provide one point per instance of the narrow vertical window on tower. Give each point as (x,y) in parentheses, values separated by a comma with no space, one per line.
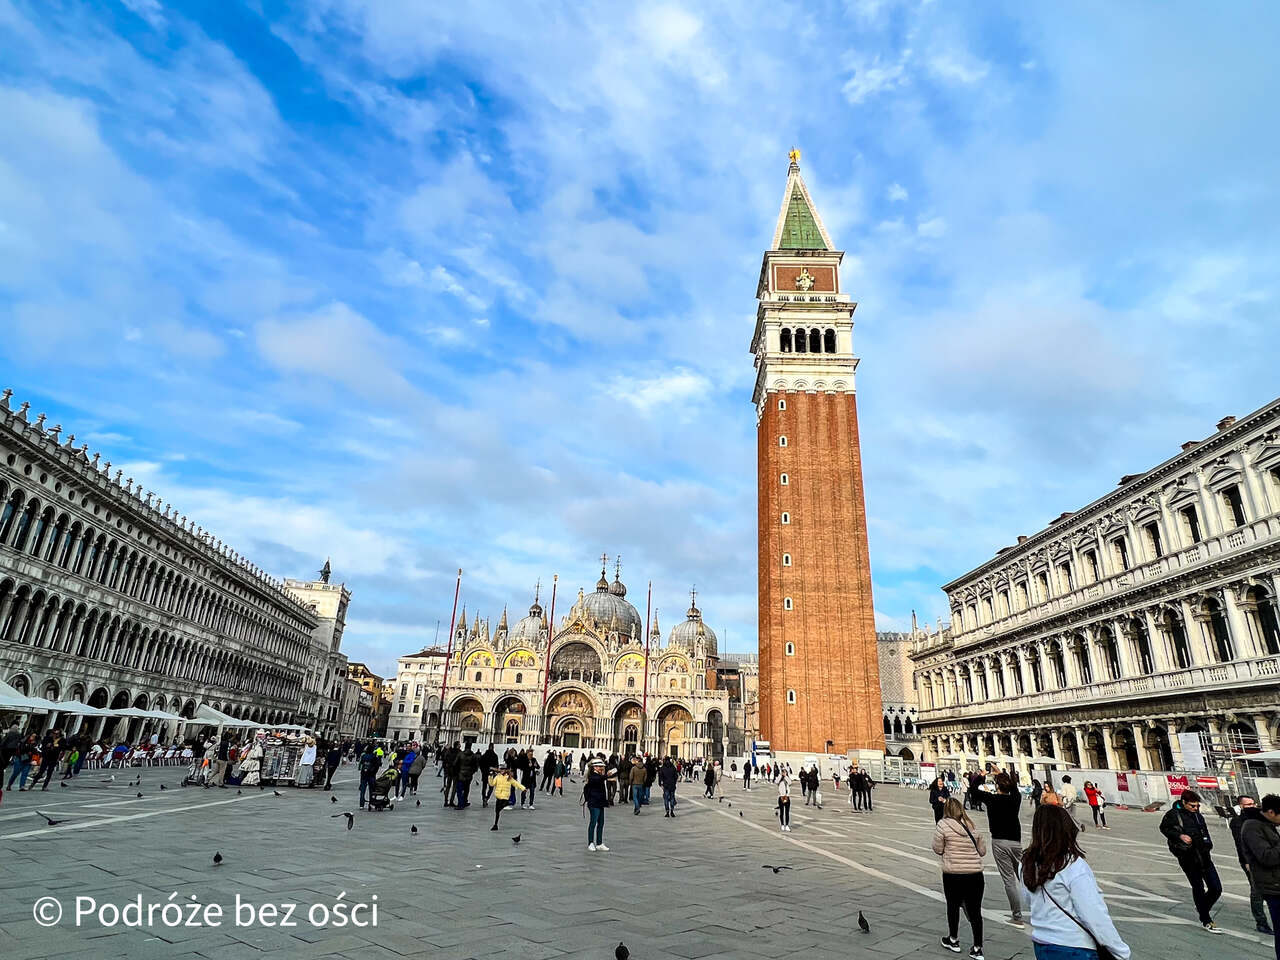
(791,696)
(786,518)
(786,559)
(782,441)
(829,341)
(791,649)
(800,340)
(787,604)
(815,341)
(784,341)
(782,404)
(785,480)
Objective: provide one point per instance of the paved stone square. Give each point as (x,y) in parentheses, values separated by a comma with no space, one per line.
(692,887)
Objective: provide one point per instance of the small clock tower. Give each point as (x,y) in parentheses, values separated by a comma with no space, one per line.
(819,675)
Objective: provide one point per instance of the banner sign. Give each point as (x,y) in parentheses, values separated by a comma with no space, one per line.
(1177,783)
(1122,782)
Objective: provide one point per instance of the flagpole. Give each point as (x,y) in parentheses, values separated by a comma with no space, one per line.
(546,670)
(448,657)
(644,701)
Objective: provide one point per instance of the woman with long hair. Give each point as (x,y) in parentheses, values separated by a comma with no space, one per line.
(1069,919)
(938,794)
(961,846)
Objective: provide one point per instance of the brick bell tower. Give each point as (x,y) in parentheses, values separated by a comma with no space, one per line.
(819,675)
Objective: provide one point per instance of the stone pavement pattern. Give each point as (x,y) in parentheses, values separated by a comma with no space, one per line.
(686,888)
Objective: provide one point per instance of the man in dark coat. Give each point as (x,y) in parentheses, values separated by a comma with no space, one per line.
(1189,842)
(449,766)
(548,771)
(1261,845)
(464,768)
(1249,811)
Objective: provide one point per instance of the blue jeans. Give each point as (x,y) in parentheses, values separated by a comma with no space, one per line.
(366,783)
(645,799)
(1049,951)
(637,796)
(20,773)
(595,826)
(669,800)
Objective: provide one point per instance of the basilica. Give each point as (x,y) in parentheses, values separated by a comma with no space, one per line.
(596,681)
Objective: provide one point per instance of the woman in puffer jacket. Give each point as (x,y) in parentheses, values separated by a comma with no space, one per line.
(961,846)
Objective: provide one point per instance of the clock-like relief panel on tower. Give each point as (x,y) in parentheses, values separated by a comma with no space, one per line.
(801,278)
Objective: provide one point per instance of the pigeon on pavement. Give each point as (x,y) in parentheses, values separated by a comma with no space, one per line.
(50,820)
(862,923)
(621,952)
(351,818)
(217,859)
(770,866)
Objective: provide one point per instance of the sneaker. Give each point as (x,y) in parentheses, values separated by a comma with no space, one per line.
(494,827)
(601,846)
(1212,927)
(1264,928)
(531,807)
(591,847)
(952,945)
(1018,922)
(975,953)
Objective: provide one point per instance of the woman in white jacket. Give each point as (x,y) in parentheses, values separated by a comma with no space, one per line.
(1069,918)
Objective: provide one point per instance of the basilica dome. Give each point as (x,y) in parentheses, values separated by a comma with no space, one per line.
(529,629)
(609,608)
(693,632)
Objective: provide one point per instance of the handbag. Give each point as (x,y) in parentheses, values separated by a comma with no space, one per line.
(1103,952)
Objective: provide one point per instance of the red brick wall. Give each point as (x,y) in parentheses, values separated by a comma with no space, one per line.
(834,671)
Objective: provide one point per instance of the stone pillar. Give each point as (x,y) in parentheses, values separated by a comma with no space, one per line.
(1197,641)
(1262,723)
(1108,748)
(1244,642)
(1124,649)
(1056,738)
(1139,746)
(1161,654)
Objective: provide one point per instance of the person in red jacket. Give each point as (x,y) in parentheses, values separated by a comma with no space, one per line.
(1096,802)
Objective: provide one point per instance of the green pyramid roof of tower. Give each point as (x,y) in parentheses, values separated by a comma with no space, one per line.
(800,229)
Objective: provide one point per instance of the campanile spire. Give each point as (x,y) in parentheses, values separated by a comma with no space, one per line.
(819,677)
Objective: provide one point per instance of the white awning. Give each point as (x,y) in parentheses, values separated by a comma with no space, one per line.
(11,699)
(208,715)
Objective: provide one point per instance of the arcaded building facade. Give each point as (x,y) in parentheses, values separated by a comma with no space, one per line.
(111,597)
(592,683)
(1147,613)
(819,678)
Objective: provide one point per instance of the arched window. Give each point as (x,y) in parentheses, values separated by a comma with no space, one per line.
(519,678)
(478,676)
(631,681)
(786,559)
(829,341)
(786,518)
(800,341)
(815,340)
(11,508)
(784,480)
(888,729)
(791,649)
(782,441)
(791,696)
(782,404)
(786,603)
(785,341)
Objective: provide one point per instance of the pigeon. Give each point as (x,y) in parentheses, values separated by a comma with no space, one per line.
(419,803)
(730,804)
(332,798)
(162,787)
(217,858)
(770,866)
(52,822)
(516,838)
(862,923)
(277,793)
(621,952)
(237,793)
(739,813)
(351,818)
(413,829)
(139,794)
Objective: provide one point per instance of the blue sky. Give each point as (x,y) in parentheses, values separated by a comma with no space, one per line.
(420,286)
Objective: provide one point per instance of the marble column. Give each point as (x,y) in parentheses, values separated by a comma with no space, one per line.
(1135,729)
(1108,748)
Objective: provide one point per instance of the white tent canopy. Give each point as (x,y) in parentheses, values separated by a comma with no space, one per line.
(11,699)
(1050,762)
(1266,755)
(959,757)
(208,715)
(286,726)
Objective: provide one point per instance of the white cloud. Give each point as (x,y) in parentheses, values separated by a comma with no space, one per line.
(957,67)
(897,193)
(874,77)
(932,228)
(678,387)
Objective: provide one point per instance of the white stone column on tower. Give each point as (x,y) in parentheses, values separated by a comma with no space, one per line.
(1108,748)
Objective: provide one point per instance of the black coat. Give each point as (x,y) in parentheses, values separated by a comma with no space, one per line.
(1261,846)
(1178,821)
(668,776)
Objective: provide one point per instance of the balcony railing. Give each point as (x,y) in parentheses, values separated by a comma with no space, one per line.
(1202,678)
(1260,531)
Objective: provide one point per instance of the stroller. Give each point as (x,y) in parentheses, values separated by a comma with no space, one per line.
(379,792)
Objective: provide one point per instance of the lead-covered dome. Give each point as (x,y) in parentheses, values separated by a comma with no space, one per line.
(609,609)
(530,629)
(692,634)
